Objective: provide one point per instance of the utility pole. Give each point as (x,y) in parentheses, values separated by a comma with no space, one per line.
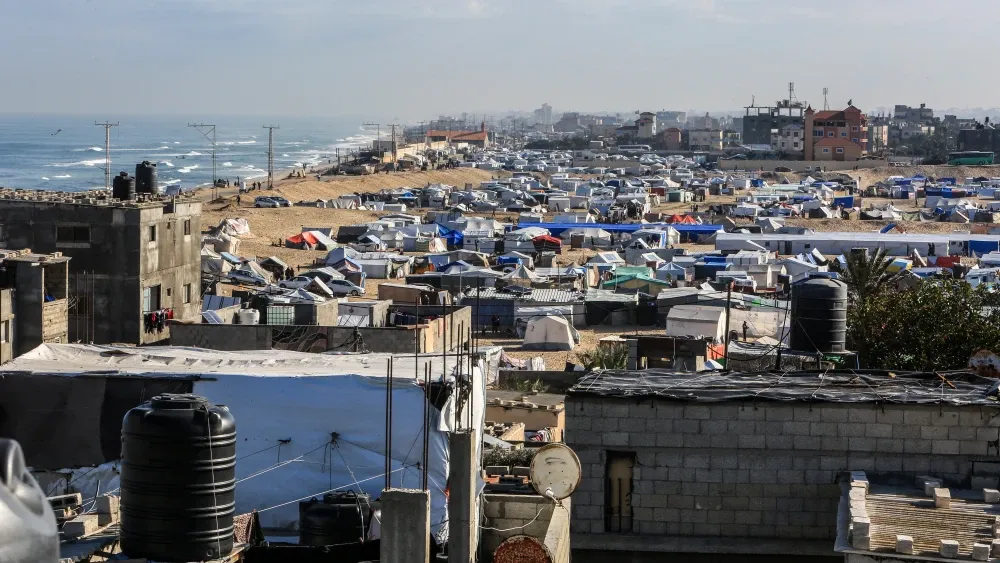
(378,136)
(393,141)
(107,125)
(206,130)
(826,103)
(270,155)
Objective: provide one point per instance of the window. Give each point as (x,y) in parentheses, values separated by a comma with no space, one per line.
(840,150)
(818,133)
(855,139)
(187,226)
(843,133)
(169,292)
(5,332)
(854,129)
(73,234)
(795,134)
(151,298)
(618,492)
(829,134)
(826,150)
(152,233)
(187,293)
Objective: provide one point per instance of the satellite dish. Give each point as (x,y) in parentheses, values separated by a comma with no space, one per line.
(555,471)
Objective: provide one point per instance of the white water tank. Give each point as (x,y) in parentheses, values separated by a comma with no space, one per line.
(249,316)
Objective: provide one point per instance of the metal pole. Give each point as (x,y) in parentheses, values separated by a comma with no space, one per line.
(270,155)
(207,129)
(729,299)
(388,421)
(107,151)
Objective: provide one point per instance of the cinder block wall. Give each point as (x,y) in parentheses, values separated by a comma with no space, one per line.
(504,512)
(766,470)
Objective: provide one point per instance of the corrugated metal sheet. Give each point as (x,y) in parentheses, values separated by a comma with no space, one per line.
(216,302)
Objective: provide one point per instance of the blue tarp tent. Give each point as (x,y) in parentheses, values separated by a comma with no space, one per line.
(980,247)
(845,201)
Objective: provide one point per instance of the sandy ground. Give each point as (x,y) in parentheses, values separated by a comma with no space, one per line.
(271,226)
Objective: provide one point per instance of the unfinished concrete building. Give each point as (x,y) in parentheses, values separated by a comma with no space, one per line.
(134,264)
(39,302)
(753,463)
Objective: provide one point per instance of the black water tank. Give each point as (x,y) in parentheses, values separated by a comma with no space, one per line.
(145,178)
(819,316)
(178,479)
(28,532)
(340,518)
(123,187)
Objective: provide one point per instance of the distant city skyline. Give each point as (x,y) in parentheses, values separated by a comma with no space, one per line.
(419,59)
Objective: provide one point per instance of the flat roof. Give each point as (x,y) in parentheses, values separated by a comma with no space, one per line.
(862,236)
(847,386)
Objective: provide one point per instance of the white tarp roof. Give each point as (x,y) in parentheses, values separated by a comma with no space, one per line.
(277,395)
(548,333)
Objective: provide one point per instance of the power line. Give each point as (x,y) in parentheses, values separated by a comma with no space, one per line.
(270,154)
(107,151)
(206,130)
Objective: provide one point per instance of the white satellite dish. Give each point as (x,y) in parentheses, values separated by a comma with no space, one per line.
(555,471)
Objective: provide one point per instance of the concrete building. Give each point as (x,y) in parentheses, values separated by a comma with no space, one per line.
(39,302)
(922,114)
(750,464)
(479,138)
(759,121)
(979,139)
(671,118)
(703,122)
(789,140)
(543,115)
(878,137)
(835,135)
(130,260)
(672,138)
(646,125)
(904,131)
(705,139)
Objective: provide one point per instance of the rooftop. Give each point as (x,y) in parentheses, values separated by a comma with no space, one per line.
(952,388)
(97,198)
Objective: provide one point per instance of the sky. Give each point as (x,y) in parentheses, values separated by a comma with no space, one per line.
(416,59)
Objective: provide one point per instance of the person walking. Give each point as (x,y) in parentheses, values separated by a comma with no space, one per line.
(238,203)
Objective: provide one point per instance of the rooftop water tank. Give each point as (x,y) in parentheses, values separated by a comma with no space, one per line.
(340,518)
(249,316)
(178,480)
(145,178)
(123,187)
(819,316)
(28,532)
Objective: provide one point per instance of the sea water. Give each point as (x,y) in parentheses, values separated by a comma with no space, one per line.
(67,153)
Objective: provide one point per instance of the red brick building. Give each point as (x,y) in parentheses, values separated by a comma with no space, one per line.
(835,135)
(479,138)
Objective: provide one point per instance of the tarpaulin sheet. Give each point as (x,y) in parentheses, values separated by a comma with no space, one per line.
(831,386)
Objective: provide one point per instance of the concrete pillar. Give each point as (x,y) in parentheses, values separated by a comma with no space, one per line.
(462,472)
(406,526)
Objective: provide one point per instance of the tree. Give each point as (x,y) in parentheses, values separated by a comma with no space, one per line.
(866,274)
(936,325)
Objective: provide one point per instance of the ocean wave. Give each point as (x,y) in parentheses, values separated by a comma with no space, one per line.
(170,182)
(177,142)
(285,155)
(167,163)
(44,178)
(227,164)
(193,153)
(246,142)
(89,163)
(90,149)
(187,169)
(161,148)
(62,176)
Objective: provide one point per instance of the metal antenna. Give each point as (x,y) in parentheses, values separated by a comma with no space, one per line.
(270,155)
(791,92)
(206,130)
(826,103)
(107,125)
(378,132)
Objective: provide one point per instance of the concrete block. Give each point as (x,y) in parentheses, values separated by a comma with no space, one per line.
(81,526)
(948,548)
(751,441)
(864,543)
(861,526)
(493,509)
(878,430)
(904,545)
(614,438)
(933,433)
(996,527)
(942,498)
(669,440)
(980,552)
(497,470)
(991,496)
(642,440)
(108,509)
(714,426)
(995,548)
(946,447)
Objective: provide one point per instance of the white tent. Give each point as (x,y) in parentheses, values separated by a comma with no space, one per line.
(212,262)
(591,236)
(276,396)
(234,227)
(548,333)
